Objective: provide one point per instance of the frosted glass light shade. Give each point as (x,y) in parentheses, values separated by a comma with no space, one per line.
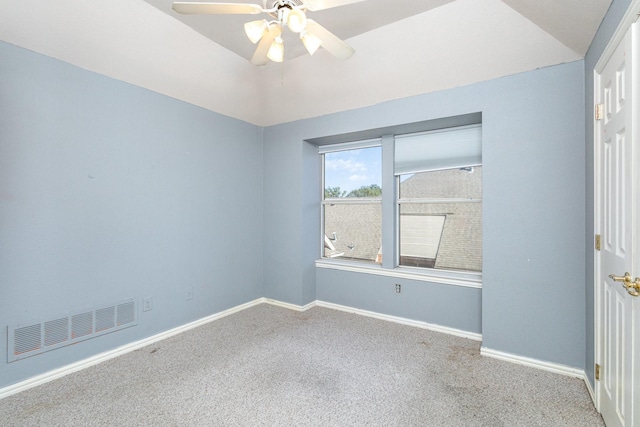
(276,51)
(296,20)
(255,29)
(311,42)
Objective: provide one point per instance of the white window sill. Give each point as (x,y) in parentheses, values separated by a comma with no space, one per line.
(456,278)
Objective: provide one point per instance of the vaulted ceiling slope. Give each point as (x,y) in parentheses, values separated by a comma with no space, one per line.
(403,48)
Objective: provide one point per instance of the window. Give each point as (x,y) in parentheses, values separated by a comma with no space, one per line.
(441,219)
(437,219)
(440,198)
(352,202)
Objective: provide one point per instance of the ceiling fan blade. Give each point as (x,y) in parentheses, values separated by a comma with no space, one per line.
(314,5)
(216,8)
(260,55)
(330,41)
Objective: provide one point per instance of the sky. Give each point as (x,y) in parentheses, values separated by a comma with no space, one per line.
(353,169)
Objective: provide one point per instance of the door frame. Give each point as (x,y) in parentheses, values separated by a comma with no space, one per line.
(630,16)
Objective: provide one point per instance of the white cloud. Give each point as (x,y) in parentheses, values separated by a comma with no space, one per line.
(346,165)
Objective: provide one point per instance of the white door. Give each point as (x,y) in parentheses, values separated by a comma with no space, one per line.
(618,317)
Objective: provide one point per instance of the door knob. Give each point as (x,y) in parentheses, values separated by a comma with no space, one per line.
(625,279)
(632,286)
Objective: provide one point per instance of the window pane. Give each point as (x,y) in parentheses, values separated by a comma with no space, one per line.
(464,183)
(353,231)
(353,173)
(443,230)
(352,224)
(441,235)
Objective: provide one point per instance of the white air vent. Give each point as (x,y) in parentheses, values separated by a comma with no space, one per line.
(56,331)
(126,313)
(105,318)
(81,325)
(29,339)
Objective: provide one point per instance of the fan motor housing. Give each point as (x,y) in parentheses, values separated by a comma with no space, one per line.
(272,4)
(279,4)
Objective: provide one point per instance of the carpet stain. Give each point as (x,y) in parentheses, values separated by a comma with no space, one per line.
(34,409)
(458,352)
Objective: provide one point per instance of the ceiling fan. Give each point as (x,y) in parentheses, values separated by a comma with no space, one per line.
(268,33)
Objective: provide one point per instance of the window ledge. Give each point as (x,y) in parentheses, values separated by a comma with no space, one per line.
(456,278)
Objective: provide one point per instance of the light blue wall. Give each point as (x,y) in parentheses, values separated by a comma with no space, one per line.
(283,230)
(600,41)
(452,306)
(109,191)
(311,181)
(533,210)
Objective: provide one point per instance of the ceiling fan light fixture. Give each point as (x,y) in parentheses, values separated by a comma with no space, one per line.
(267,34)
(255,29)
(311,42)
(296,20)
(276,51)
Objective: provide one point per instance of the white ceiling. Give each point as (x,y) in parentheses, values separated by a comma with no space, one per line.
(228,30)
(403,48)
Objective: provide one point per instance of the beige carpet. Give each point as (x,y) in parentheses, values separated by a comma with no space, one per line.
(274,367)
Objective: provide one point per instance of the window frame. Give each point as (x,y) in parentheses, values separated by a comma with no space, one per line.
(386,136)
(334,148)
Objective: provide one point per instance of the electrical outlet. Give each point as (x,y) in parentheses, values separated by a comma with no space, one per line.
(398,288)
(147,304)
(188,293)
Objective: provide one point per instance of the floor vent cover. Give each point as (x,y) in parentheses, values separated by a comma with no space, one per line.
(29,339)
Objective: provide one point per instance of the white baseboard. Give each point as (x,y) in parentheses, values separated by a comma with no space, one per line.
(592,393)
(533,363)
(288,305)
(402,320)
(102,357)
